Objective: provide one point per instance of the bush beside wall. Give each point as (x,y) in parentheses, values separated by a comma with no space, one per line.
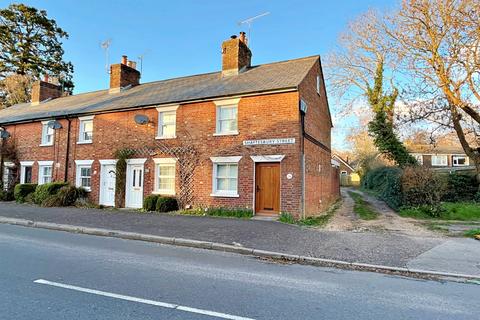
(386,183)
(166,204)
(460,187)
(150,202)
(66,196)
(24,191)
(46,190)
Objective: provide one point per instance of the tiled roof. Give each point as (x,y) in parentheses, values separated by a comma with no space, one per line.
(432,149)
(266,77)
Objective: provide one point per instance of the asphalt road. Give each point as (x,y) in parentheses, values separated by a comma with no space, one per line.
(54,275)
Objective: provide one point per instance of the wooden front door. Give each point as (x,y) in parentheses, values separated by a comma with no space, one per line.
(267,188)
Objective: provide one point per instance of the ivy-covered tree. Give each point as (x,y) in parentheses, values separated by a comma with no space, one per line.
(30,46)
(381,126)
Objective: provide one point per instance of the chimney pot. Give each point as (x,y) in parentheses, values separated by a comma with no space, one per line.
(234,36)
(45,78)
(124,59)
(243,37)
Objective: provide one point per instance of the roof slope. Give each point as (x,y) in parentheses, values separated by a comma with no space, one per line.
(266,77)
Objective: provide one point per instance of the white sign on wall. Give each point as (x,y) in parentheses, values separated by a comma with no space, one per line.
(269,141)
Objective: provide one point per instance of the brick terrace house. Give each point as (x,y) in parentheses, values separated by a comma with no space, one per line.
(256,136)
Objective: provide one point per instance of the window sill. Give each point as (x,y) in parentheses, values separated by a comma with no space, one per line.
(233,133)
(165,137)
(84,142)
(225,195)
(163,193)
(46,145)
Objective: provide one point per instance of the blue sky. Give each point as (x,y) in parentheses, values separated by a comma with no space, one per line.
(179,38)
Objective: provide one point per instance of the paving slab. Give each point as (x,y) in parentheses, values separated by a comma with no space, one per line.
(462,255)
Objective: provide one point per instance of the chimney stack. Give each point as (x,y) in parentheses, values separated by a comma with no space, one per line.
(236,56)
(123,74)
(43,90)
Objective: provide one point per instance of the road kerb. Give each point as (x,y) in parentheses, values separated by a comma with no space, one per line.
(240,250)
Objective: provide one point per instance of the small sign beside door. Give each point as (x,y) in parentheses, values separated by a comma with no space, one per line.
(269,141)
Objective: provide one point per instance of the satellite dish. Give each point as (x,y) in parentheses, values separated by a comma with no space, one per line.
(4,134)
(141,119)
(54,124)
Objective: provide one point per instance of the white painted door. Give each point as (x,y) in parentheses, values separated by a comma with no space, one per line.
(134,192)
(107,185)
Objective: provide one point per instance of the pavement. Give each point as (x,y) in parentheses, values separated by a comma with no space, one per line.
(53,275)
(386,248)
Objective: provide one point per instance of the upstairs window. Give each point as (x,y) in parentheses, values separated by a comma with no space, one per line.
(45,169)
(86,130)
(227,117)
(47,134)
(167,122)
(439,160)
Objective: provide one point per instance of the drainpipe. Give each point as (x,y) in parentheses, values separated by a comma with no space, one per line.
(68,149)
(302,120)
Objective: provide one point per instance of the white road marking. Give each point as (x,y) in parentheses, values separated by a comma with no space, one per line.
(144,301)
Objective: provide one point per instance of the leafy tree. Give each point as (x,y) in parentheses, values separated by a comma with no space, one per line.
(30,45)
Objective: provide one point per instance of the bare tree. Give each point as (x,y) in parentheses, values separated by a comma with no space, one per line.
(437,43)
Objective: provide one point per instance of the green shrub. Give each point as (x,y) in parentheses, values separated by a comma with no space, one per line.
(385,182)
(6,195)
(227,212)
(150,202)
(65,197)
(43,191)
(286,217)
(422,187)
(22,191)
(476,198)
(166,204)
(460,187)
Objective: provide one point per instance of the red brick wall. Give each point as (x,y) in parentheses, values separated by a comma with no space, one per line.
(259,117)
(322,186)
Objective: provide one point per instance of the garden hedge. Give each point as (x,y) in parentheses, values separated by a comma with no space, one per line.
(22,191)
(166,204)
(46,190)
(150,202)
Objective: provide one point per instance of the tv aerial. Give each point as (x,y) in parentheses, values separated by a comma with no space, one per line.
(249,22)
(105,46)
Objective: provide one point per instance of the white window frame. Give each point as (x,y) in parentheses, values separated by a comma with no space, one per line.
(166,162)
(45,130)
(78,175)
(161,112)
(224,104)
(418,157)
(81,130)
(224,161)
(456,157)
(24,164)
(41,166)
(318,84)
(438,156)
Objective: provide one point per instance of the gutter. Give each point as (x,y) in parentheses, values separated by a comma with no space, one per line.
(65,179)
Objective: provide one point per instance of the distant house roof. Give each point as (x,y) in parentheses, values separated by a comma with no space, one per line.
(337,157)
(263,78)
(432,149)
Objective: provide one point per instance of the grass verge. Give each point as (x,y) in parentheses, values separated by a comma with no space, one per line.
(362,207)
(471,233)
(317,221)
(219,212)
(461,211)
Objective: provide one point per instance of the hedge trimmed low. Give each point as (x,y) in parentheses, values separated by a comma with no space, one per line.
(22,191)
(66,196)
(150,202)
(166,204)
(46,190)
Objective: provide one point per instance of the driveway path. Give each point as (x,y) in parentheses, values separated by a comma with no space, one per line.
(388,221)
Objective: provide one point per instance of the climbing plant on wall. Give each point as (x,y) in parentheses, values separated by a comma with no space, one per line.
(121,174)
(8,152)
